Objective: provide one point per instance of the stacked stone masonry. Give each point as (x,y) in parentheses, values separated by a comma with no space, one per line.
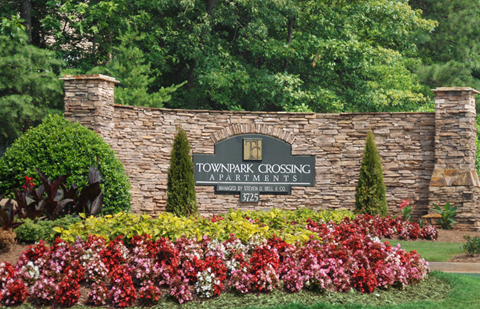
(454,178)
(411,145)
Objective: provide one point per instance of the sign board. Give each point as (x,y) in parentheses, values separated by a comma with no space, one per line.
(253,164)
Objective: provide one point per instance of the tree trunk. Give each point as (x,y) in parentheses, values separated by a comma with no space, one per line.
(289,40)
(191,76)
(26,14)
(210,5)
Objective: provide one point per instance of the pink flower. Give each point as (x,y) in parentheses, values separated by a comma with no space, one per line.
(404,203)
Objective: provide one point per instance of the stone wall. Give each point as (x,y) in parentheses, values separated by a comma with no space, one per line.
(411,145)
(454,178)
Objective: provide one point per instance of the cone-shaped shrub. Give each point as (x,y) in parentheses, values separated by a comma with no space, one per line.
(370,197)
(181,197)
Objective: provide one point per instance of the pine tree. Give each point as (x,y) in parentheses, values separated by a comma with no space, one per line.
(181,197)
(370,197)
(29,88)
(450,53)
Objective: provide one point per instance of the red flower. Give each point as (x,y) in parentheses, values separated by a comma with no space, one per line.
(68,292)
(364,280)
(404,203)
(28,183)
(14,292)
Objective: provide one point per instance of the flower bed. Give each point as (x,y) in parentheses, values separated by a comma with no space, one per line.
(337,257)
(291,226)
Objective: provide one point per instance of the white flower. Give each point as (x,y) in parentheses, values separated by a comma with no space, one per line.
(31,270)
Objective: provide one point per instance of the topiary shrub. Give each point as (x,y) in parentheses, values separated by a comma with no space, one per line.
(58,147)
(370,196)
(181,196)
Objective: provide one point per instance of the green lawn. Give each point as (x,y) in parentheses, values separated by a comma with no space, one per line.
(430,250)
(464,293)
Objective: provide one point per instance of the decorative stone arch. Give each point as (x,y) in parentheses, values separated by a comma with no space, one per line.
(250,128)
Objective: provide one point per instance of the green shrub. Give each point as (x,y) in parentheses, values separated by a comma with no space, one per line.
(181,196)
(34,230)
(168,225)
(279,217)
(370,193)
(58,147)
(472,246)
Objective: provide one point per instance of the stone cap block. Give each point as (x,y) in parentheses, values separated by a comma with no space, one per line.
(452,177)
(93,76)
(446,89)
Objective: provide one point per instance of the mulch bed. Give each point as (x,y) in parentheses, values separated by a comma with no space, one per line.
(13,253)
(455,236)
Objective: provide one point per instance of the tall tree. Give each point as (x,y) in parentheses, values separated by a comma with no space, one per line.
(29,89)
(129,66)
(26,15)
(451,53)
(325,56)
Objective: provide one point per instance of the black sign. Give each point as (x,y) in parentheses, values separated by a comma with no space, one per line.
(253,164)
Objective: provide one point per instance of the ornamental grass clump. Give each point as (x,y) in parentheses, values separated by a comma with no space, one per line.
(370,193)
(181,196)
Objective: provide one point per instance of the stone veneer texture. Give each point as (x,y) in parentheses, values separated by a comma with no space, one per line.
(143,137)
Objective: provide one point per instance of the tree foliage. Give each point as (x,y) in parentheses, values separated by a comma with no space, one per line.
(129,67)
(370,193)
(451,53)
(181,196)
(324,56)
(29,88)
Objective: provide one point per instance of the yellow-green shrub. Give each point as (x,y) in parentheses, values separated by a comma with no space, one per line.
(278,216)
(165,224)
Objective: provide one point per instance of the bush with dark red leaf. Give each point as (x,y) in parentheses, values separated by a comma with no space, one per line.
(14,292)
(149,294)
(123,292)
(364,280)
(68,292)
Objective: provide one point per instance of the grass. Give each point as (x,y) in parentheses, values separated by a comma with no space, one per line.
(465,294)
(430,250)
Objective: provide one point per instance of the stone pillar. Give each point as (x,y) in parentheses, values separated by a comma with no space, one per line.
(89,100)
(455,178)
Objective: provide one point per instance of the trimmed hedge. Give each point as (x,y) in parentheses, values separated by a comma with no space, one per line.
(58,147)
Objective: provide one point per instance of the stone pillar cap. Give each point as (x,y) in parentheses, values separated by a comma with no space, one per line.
(93,76)
(444,89)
